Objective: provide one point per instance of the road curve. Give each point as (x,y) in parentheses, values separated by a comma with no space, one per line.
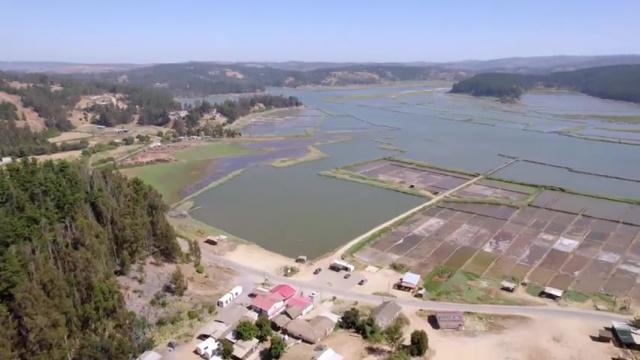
(327,291)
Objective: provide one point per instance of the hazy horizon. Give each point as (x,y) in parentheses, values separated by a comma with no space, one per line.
(146,32)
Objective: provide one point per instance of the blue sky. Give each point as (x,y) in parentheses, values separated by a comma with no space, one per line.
(142,31)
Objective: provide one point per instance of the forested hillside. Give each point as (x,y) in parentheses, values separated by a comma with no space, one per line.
(202,78)
(619,82)
(64,232)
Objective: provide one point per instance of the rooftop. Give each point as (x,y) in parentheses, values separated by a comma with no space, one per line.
(284,290)
(410,278)
(386,312)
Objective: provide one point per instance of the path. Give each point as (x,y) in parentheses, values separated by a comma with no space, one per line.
(259,276)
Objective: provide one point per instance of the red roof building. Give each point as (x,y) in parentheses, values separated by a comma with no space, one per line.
(269,304)
(284,290)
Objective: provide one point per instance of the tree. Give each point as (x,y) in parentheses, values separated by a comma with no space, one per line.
(227,349)
(393,335)
(419,343)
(277,348)
(350,319)
(369,330)
(177,284)
(264,328)
(246,330)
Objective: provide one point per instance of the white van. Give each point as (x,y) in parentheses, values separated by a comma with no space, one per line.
(225,300)
(236,291)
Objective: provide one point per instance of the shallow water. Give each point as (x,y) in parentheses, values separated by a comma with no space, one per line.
(295,211)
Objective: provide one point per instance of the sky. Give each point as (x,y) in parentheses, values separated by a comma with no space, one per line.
(142,31)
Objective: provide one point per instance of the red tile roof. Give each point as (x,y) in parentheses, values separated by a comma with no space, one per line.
(299,301)
(265,302)
(284,290)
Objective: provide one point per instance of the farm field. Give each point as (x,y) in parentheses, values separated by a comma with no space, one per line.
(189,165)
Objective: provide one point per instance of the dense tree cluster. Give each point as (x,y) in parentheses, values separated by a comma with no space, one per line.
(8,111)
(617,82)
(20,141)
(233,109)
(110,115)
(64,231)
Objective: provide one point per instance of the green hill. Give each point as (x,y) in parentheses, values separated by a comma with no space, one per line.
(618,82)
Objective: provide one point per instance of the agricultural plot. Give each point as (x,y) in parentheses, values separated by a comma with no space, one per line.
(562,240)
(433,180)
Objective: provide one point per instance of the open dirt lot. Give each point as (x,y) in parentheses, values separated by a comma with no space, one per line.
(32,119)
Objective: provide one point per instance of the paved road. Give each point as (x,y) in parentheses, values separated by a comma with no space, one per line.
(327,292)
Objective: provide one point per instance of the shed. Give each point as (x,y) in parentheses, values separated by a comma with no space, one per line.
(604,335)
(625,333)
(552,293)
(242,349)
(409,281)
(327,353)
(508,286)
(386,313)
(298,306)
(339,265)
(450,320)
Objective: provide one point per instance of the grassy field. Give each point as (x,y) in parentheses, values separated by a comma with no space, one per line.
(190,165)
(446,284)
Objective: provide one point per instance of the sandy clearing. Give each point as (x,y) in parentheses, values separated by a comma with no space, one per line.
(270,262)
(66,155)
(540,338)
(33,120)
(70,136)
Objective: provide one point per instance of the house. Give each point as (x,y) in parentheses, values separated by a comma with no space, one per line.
(208,348)
(281,320)
(6,160)
(149,355)
(326,353)
(284,290)
(269,304)
(311,331)
(626,334)
(298,306)
(409,281)
(339,265)
(552,293)
(508,286)
(386,313)
(450,320)
(242,349)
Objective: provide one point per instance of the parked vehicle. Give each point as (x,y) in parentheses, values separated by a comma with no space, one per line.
(313,294)
(227,298)
(362,282)
(317,271)
(347,275)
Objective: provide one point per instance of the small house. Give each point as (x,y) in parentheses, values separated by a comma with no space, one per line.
(552,293)
(298,306)
(242,349)
(409,281)
(450,320)
(508,286)
(385,314)
(339,265)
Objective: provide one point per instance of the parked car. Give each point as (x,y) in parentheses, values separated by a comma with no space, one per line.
(317,271)
(347,275)
(362,282)
(312,294)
